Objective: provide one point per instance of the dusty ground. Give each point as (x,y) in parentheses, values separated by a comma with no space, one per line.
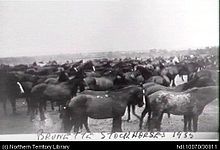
(20,123)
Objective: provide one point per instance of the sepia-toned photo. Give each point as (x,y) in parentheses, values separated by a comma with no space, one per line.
(109,69)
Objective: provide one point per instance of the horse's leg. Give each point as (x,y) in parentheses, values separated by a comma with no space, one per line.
(75,129)
(28,105)
(195,123)
(188,77)
(32,111)
(168,114)
(59,106)
(36,111)
(52,106)
(116,124)
(129,110)
(142,117)
(119,122)
(13,105)
(41,110)
(159,123)
(155,121)
(77,124)
(148,120)
(182,78)
(86,124)
(173,84)
(190,123)
(133,112)
(45,105)
(185,118)
(113,125)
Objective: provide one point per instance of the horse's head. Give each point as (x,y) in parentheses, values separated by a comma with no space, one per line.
(158,105)
(139,96)
(88,66)
(63,77)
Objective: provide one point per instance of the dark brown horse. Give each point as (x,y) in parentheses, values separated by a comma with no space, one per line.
(111,79)
(112,105)
(145,70)
(173,70)
(59,93)
(10,89)
(162,80)
(206,73)
(79,72)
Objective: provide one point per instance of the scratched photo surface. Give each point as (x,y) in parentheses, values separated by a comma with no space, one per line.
(109,66)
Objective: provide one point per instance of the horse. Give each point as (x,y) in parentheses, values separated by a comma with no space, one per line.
(190,104)
(63,77)
(162,80)
(112,105)
(173,70)
(206,73)
(59,93)
(79,73)
(152,88)
(27,86)
(134,77)
(110,80)
(99,83)
(80,70)
(192,67)
(10,89)
(146,71)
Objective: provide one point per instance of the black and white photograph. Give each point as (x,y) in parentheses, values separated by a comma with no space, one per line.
(109,69)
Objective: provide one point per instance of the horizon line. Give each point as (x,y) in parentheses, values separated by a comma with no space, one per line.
(84,52)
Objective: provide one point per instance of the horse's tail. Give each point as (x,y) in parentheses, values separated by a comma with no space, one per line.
(65,115)
(33,106)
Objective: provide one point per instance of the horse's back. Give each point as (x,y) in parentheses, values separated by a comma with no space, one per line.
(51,81)
(94,93)
(57,91)
(154,88)
(104,82)
(97,107)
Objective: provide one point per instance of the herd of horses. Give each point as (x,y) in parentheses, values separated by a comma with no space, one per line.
(105,88)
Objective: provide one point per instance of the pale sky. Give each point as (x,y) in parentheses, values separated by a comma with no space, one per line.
(29,28)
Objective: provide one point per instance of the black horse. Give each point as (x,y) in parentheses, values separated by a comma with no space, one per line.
(145,71)
(111,106)
(60,93)
(173,70)
(10,89)
(79,72)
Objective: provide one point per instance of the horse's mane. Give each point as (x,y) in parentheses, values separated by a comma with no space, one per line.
(189,84)
(198,82)
(195,89)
